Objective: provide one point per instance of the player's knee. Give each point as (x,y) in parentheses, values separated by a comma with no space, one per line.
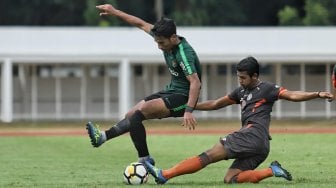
(136,118)
(130,113)
(226,181)
(230,179)
(216,153)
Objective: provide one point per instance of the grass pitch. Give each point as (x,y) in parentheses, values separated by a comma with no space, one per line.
(70,161)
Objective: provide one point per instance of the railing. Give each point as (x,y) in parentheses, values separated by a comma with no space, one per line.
(62,90)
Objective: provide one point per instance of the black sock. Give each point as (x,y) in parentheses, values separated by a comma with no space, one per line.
(205,160)
(138,133)
(120,128)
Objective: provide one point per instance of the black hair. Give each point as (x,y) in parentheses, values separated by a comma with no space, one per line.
(249,64)
(165,27)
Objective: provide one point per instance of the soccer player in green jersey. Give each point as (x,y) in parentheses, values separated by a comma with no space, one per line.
(177,100)
(250,145)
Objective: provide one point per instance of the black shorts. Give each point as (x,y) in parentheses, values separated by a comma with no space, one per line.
(175,102)
(249,147)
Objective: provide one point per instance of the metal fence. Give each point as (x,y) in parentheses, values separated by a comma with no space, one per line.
(77,73)
(51,91)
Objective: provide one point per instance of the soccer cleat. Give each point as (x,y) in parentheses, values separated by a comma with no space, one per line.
(156,173)
(278,171)
(149,159)
(95,135)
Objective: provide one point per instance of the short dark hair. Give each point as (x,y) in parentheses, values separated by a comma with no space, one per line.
(249,64)
(165,27)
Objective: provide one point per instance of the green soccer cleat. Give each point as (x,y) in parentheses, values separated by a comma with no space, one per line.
(278,171)
(156,173)
(95,134)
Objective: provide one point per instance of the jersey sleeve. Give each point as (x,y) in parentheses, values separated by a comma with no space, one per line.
(188,57)
(234,95)
(275,91)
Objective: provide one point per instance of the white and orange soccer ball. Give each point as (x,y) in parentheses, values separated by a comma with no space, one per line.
(135,174)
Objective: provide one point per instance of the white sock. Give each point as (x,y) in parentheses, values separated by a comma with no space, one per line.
(103,135)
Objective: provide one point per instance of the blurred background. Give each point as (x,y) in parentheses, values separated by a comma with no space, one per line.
(61,61)
(184,12)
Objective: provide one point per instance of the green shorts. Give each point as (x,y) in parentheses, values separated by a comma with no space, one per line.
(175,102)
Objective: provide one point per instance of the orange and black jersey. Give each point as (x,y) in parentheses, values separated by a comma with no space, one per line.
(256,103)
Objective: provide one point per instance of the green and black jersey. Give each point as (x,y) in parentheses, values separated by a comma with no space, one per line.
(182,61)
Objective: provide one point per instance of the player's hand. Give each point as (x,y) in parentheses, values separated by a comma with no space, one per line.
(106,9)
(189,121)
(326,95)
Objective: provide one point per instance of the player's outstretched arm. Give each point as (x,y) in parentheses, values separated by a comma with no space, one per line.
(108,9)
(298,96)
(215,104)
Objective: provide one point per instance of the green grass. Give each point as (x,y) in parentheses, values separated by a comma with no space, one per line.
(72,162)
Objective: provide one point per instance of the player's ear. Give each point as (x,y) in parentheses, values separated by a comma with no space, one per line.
(255,76)
(174,38)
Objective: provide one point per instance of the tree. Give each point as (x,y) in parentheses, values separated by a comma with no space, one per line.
(41,12)
(189,12)
(140,8)
(210,12)
(330,5)
(289,16)
(184,12)
(316,13)
(91,14)
(229,12)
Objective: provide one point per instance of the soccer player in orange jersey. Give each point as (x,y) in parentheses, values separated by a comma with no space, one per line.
(249,146)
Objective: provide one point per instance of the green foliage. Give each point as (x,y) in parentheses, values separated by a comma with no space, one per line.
(330,5)
(41,12)
(91,14)
(92,17)
(72,162)
(189,14)
(185,12)
(197,12)
(140,8)
(316,13)
(143,9)
(289,16)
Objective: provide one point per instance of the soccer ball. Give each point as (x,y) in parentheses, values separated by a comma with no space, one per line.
(135,174)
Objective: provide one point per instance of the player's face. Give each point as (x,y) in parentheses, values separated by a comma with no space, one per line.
(245,80)
(164,44)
